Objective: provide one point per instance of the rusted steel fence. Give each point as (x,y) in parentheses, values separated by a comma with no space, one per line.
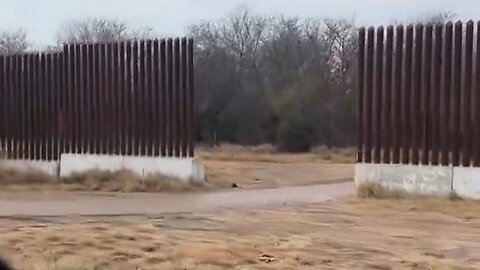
(126,98)
(419,94)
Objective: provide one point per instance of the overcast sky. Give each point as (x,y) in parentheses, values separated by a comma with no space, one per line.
(42,18)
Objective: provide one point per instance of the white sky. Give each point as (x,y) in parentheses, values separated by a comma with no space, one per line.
(42,18)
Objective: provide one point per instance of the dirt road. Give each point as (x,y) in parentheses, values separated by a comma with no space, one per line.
(109,204)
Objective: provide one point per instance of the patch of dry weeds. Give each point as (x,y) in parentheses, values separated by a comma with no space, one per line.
(377,191)
(96,180)
(127,181)
(268,154)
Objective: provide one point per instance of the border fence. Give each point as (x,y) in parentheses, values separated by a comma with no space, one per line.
(419,94)
(125,98)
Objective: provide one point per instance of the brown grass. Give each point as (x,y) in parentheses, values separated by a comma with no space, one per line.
(235,148)
(96,180)
(27,177)
(337,155)
(376,191)
(423,233)
(267,153)
(127,181)
(457,208)
(263,167)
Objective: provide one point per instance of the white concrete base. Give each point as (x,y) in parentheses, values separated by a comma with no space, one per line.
(421,179)
(48,167)
(415,179)
(466,182)
(182,168)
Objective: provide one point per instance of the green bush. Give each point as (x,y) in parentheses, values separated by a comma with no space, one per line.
(295,134)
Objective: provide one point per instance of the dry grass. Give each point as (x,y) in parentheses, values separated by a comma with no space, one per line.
(127,181)
(337,155)
(376,191)
(267,153)
(423,233)
(95,180)
(235,148)
(459,209)
(255,174)
(264,167)
(27,177)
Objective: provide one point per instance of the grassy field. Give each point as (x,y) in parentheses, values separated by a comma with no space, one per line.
(348,234)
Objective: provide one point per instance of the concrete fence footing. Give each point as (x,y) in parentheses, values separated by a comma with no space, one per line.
(181,168)
(422,179)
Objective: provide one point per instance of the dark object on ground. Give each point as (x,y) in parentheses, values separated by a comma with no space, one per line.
(4,265)
(234,185)
(267,258)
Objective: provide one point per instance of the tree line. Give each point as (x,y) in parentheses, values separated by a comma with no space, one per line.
(287,81)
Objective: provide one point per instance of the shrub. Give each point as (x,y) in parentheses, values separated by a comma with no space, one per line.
(295,134)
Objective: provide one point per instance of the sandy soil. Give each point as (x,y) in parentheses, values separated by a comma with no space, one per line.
(350,234)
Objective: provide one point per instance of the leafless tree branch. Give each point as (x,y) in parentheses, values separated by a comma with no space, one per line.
(13,42)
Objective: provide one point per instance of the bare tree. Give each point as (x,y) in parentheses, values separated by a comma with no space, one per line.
(341,44)
(432,17)
(53,48)
(12,42)
(206,34)
(435,18)
(243,34)
(283,80)
(99,30)
(288,52)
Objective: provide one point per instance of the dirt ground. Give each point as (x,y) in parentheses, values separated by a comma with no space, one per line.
(258,168)
(347,234)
